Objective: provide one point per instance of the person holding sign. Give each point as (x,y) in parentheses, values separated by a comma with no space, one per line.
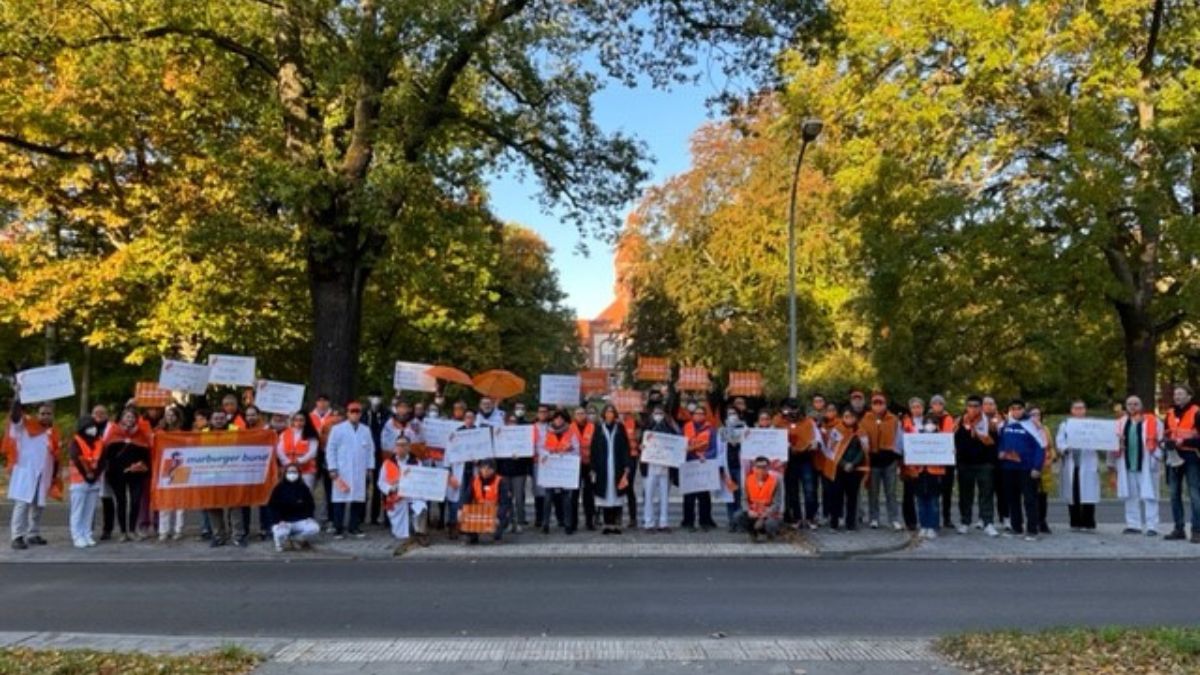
(702,447)
(922,482)
(398,507)
(490,488)
(1137,462)
(611,468)
(846,468)
(32,447)
(350,456)
(559,439)
(657,482)
(1079,479)
(762,509)
(800,475)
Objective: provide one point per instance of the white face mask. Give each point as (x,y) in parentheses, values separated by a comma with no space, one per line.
(432,413)
(292,476)
(375,401)
(657,417)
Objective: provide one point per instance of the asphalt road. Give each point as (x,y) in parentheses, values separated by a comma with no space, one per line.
(594,598)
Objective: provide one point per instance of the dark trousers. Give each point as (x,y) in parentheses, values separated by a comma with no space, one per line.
(1001,491)
(908,505)
(845,499)
(800,479)
(612,516)
(127,491)
(337,513)
(1022,499)
(1083,516)
(927,489)
(690,502)
(376,497)
(828,492)
(109,518)
(588,494)
(631,495)
(564,513)
(976,479)
(946,485)
(539,511)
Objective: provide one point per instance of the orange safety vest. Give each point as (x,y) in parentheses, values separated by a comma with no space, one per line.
(559,442)
(800,434)
(391,476)
(585,440)
(318,422)
(760,494)
(295,448)
(1179,429)
(89,456)
(488,493)
(914,470)
(630,425)
(881,431)
(1149,433)
(697,440)
(831,467)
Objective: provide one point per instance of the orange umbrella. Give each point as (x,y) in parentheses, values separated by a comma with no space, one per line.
(449,374)
(498,384)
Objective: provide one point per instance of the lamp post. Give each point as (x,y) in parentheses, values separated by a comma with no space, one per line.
(809,130)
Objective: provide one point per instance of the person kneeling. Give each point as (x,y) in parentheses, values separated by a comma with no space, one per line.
(489,496)
(762,511)
(292,505)
(404,514)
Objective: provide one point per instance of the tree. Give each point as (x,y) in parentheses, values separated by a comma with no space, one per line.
(336,121)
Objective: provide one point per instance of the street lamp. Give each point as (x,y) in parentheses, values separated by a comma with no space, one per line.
(809,130)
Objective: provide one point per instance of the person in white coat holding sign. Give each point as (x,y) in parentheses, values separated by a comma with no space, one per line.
(32,447)
(1137,463)
(1079,482)
(349,455)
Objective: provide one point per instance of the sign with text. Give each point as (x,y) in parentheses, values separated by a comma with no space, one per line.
(212,470)
(513,441)
(628,401)
(48,383)
(469,445)
(663,449)
(229,369)
(437,432)
(699,477)
(929,449)
(559,390)
(183,376)
(426,483)
(769,443)
(1091,433)
(279,397)
(558,471)
(412,377)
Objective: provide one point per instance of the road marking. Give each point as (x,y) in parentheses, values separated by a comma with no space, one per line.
(521,650)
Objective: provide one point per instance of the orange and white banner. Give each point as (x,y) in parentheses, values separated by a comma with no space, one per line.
(693,378)
(628,401)
(745,383)
(652,369)
(213,469)
(593,381)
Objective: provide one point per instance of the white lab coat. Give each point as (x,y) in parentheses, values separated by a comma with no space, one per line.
(350,452)
(1089,468)
(34,471)
(1148,486)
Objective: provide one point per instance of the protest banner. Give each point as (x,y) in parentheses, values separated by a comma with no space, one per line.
(628,401)
(652,369)
(699,477)
(1091,433)
(150,395)
(229,369)
(426,483)
(769,443)
(279,397)
(558,471)
(183,376)
(412,377)
(437,432)
(48,383)
(212,470)
(559,390)
(693,378)
(593,381)
(513,441)
(663,449)
(745,383)
(929,449)
(469,445)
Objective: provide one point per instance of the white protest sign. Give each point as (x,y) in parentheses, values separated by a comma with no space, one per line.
(437,432)
(1091,433)
(423,482)
(229,369)
(513,441)
(412,377)
(469,445)
(769,443)
(663,449)
(279,397)
(47,383)
(558,471)
(929,449)
(183,376)
(699,477)
(560,390)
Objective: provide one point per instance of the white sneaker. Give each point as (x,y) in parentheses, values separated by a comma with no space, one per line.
(962,529)
(278,547)
(874,524)
(80,543)
(812,525)
(162,536)
(990,530)
(897,526)
(1030,537)
(90,542)
(979,524)
(932,534)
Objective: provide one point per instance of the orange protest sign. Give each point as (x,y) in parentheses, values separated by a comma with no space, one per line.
(150,395)
(652,369)
(628,401)
(693,378)
(212,470)
(593,381)
(745,383)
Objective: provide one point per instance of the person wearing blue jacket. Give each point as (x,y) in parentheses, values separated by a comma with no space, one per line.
(1022,454)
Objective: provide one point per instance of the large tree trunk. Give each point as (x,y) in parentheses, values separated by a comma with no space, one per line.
(336,286)
(1140,343)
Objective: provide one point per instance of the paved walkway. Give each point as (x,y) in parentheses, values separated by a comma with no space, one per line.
(536,654)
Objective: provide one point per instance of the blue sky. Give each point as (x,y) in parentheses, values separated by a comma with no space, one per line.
(664,120)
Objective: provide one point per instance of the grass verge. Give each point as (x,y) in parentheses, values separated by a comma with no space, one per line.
(1077,650)
(230,660)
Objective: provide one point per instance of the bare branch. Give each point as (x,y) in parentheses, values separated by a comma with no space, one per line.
(55,151)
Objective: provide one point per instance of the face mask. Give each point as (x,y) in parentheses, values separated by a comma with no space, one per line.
(432,413)
(374,400)
(731,419)
(90,432)
(519,413)
(658,417)
(691,407)
(292,476)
